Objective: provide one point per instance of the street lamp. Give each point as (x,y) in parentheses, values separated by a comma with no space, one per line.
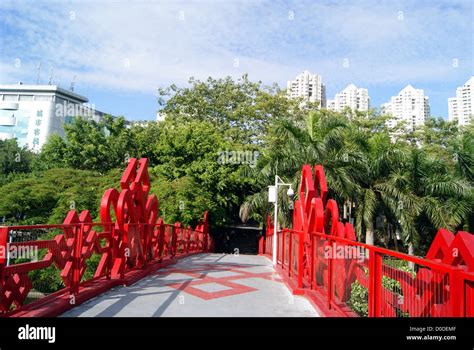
(273,197)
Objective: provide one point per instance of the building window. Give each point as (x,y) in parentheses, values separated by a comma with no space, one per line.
(26,97)
(10,98)
(43,98)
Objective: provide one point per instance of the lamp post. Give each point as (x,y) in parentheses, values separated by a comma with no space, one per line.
(273,197)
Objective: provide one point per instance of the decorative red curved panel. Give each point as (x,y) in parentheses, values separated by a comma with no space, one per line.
(130,235)
(324,257)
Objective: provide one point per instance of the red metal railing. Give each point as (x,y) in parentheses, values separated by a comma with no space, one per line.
(322,259)
(69,253)
(58,264)
(327,268)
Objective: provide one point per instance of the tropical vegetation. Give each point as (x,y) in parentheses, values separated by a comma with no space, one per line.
(222,142)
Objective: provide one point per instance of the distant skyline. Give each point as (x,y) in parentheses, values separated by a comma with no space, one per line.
(121,52)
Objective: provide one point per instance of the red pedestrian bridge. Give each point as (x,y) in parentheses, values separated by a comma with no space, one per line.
(133,264)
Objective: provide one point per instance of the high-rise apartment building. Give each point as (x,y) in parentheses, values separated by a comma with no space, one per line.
(309,86)
(357,99)
(30,113)
(410,105)
(461,107)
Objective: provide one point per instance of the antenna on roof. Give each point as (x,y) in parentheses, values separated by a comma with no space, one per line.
(38,74)
(50,76)
(73,82)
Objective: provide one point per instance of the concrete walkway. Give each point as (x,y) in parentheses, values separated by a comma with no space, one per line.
(199,286)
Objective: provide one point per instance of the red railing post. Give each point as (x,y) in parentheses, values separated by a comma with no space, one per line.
(110,252)
(330,270)
(3,257)
(283,249)
(375,284)
(290,257)
(174,240)
(312,262)
(161,240)
(457,293)
(278,247)
(300,259)
(3,250)
(378,284)
(188,234)
(146,241)
(76,259)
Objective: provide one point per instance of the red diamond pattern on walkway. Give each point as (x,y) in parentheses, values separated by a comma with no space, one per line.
(201,276)
(204,285)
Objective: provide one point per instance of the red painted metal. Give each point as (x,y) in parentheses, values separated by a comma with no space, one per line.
(442,284)
(135,244)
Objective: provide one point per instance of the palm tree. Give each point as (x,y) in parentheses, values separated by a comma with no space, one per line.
(424,195)
(324,138)
(383,158)
(462,148)
(417,189)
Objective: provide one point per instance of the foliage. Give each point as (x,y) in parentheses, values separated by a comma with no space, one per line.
(222,143)
(187,152)
(359,298)
(191,171)
(390,184)
(241,110)
(14,160)
(89,145)
(46,197)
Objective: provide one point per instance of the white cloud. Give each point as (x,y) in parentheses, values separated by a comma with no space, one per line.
(141,45)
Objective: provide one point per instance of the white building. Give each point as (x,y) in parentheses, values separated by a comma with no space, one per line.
(410,105)
(309,86)
(30,113)
(461,107)
(331,105)
(357,99)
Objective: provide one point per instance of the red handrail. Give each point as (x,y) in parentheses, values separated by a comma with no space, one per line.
(137,238)
(397,284)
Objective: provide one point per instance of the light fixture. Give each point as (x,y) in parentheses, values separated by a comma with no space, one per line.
(290,192)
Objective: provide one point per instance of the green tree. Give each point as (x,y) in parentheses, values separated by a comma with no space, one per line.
(89,145)
(240,110)
(14,159)
(191,163)
(406,186)
(324,138)
(46,197)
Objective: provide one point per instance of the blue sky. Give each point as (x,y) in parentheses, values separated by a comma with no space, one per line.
(121,52)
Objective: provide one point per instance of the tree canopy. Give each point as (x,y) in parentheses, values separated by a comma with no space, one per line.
(219,147)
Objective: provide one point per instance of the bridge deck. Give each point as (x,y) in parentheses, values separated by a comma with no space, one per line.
(202,285)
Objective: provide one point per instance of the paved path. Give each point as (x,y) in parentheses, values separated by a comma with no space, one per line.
(203,285)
